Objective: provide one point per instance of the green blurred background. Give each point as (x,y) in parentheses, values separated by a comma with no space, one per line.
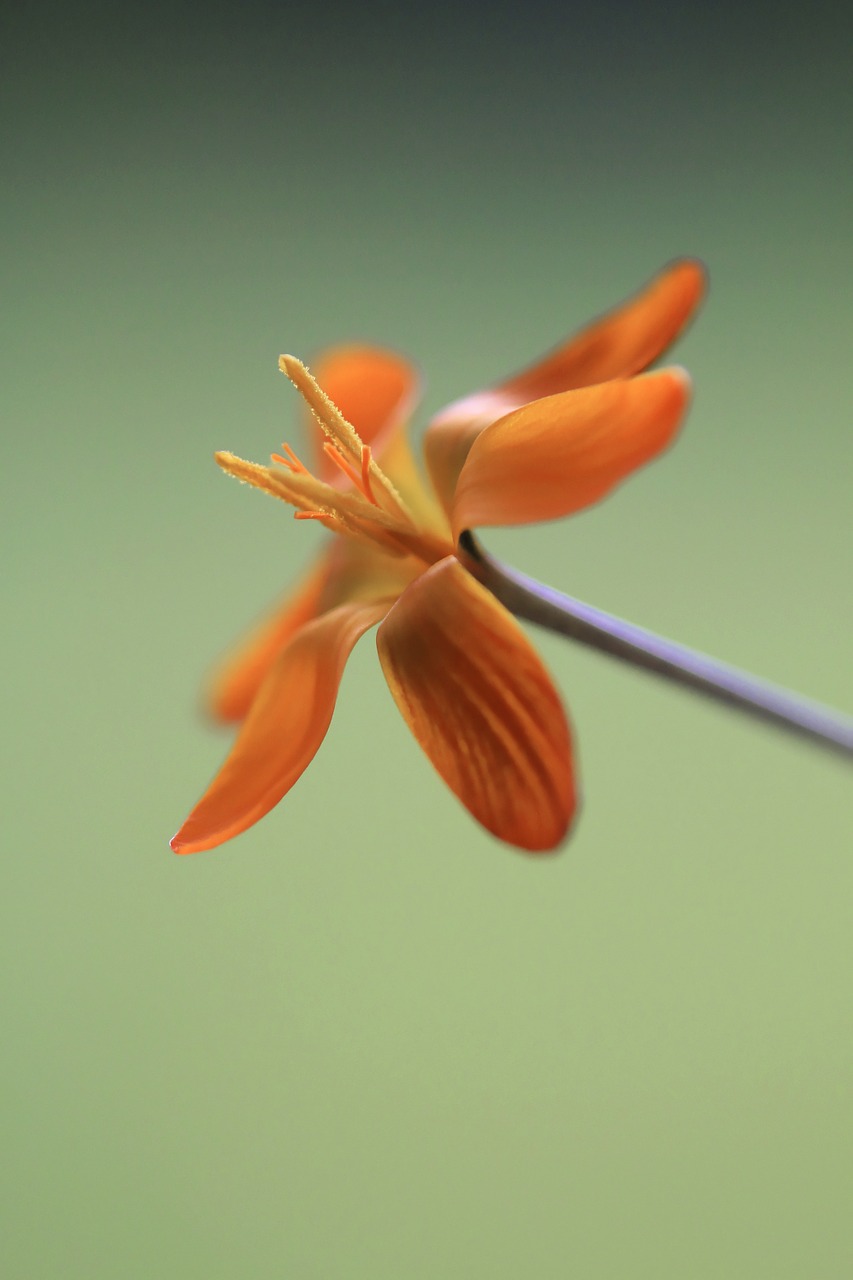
(364,1040)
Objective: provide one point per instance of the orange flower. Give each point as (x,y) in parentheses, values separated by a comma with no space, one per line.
(542,444)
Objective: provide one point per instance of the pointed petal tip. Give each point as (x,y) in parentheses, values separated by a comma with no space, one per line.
(689,264)
(677,376)
(685,275)
(195,836)
(676,391)
(185,840)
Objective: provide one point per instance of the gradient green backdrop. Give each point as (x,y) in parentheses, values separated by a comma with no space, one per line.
(364,1040)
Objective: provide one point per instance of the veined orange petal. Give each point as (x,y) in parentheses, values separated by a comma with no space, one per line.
(481,704)
(619,344)
(234,685)
(283,730)
(564,452)
(375,390)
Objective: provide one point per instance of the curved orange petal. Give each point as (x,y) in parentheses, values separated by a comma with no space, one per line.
(375,389)
(619,344)
(283,730)
(564,452)
(481,704)
(235,683)
(623,341)
(348,571)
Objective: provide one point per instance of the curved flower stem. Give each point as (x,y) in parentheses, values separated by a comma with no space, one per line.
(537,603)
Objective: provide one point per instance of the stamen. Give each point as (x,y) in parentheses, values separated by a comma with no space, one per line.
(366,459)
(340,512)
(345,438)
(325,517)
(332,451)
(290,461)
(326,412)
(371,511)
(360,480)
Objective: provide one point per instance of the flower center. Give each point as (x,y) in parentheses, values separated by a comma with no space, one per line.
(371,510)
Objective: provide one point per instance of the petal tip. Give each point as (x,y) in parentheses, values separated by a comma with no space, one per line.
(690,264)
(184,842)
(679,378)
(691,273)
(549,843)
(550,846)
(177,845)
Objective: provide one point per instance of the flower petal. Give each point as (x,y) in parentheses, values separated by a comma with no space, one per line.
(481,704)
(348,571)
(622,342)
(564,452)
(234,685)
(619,344)
(283,730)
